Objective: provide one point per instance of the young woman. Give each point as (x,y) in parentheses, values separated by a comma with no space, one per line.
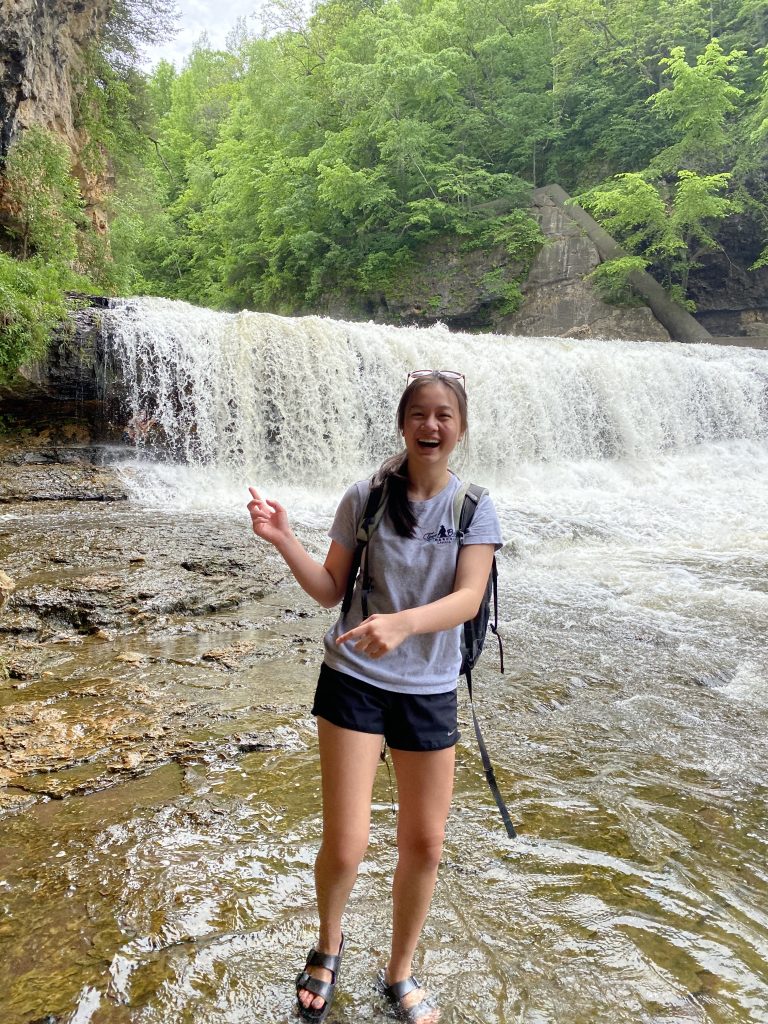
(391,677)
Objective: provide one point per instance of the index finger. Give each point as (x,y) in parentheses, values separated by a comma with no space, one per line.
(261,501)
(350,634)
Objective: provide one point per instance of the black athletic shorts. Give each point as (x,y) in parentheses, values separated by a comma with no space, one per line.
(407,721)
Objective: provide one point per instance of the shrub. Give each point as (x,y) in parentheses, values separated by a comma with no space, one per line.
(32,305)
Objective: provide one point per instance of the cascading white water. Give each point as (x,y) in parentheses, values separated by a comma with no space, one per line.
(631,477)
(308,401)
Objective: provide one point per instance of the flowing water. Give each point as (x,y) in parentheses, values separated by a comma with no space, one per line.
(628,732)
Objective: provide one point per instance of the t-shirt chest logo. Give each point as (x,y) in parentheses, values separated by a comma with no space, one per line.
(445,535)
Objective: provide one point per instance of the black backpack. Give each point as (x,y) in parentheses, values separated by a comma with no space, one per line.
(473,632)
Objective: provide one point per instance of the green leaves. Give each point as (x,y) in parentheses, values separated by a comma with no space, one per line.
(698,104)
(32,305)
(319,159)
(667,227)
(325,157)
(355,194)
(698,208)
(44,220)
(613,279)
(632,210)
(43,197)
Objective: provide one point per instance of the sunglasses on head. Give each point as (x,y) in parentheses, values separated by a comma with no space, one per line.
(448,374)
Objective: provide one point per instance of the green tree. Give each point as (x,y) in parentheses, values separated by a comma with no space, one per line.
(132,25)
(47,241)
(32,305)
(698,104)
(669,227)
(758,139)
(42,197)
(322,157)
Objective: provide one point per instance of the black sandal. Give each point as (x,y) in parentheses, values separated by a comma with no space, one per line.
(395,993)
(324,989)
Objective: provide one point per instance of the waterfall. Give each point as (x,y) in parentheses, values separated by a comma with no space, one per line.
(312,399)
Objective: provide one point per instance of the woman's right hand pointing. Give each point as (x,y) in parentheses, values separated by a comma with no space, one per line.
(268,518)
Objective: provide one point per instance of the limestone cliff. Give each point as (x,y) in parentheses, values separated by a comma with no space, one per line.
(462,289)
(560,300)
(42,47)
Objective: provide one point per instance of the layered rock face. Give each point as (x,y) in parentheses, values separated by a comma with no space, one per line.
(42,46)
(730,298)
(461,289)
(559,299)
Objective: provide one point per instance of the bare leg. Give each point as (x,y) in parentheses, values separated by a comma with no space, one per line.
(348,763)
(425,787)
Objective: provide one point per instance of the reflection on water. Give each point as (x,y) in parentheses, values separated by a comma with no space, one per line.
(636,892)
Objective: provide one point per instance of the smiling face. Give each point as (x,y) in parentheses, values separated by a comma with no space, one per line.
(432,423)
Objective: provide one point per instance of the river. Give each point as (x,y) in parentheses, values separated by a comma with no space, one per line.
(628,730)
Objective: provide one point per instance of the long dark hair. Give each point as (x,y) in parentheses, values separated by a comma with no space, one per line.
(394,471)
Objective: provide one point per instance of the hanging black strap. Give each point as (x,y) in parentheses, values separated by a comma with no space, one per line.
(494,626)
(469,503)
(488,767)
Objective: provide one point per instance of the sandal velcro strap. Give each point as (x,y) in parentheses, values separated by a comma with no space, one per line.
(326,960)
(396,992)
(324,989)
(400,989)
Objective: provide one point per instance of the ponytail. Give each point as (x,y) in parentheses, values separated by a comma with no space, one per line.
(393,473)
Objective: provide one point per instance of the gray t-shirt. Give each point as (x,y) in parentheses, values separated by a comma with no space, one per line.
(407,572)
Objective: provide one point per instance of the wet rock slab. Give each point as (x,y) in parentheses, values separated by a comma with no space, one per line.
(57,473)
(101,721)
(96,601)
(129,640)
(104,732)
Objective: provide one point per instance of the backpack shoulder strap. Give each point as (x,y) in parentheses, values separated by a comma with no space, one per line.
(464,506)
(465,502)
(372,513)
(370,518)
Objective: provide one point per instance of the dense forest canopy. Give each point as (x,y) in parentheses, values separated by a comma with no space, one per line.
(319,156)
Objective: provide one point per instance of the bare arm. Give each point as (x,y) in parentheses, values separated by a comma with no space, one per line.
(325,583)
(379,634)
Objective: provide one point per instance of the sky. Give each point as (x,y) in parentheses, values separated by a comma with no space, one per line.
(216,17)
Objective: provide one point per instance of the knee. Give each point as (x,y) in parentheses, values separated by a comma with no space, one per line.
(342,855)
(423,850)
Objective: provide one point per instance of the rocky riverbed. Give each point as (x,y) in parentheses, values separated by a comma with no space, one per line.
(116,630)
